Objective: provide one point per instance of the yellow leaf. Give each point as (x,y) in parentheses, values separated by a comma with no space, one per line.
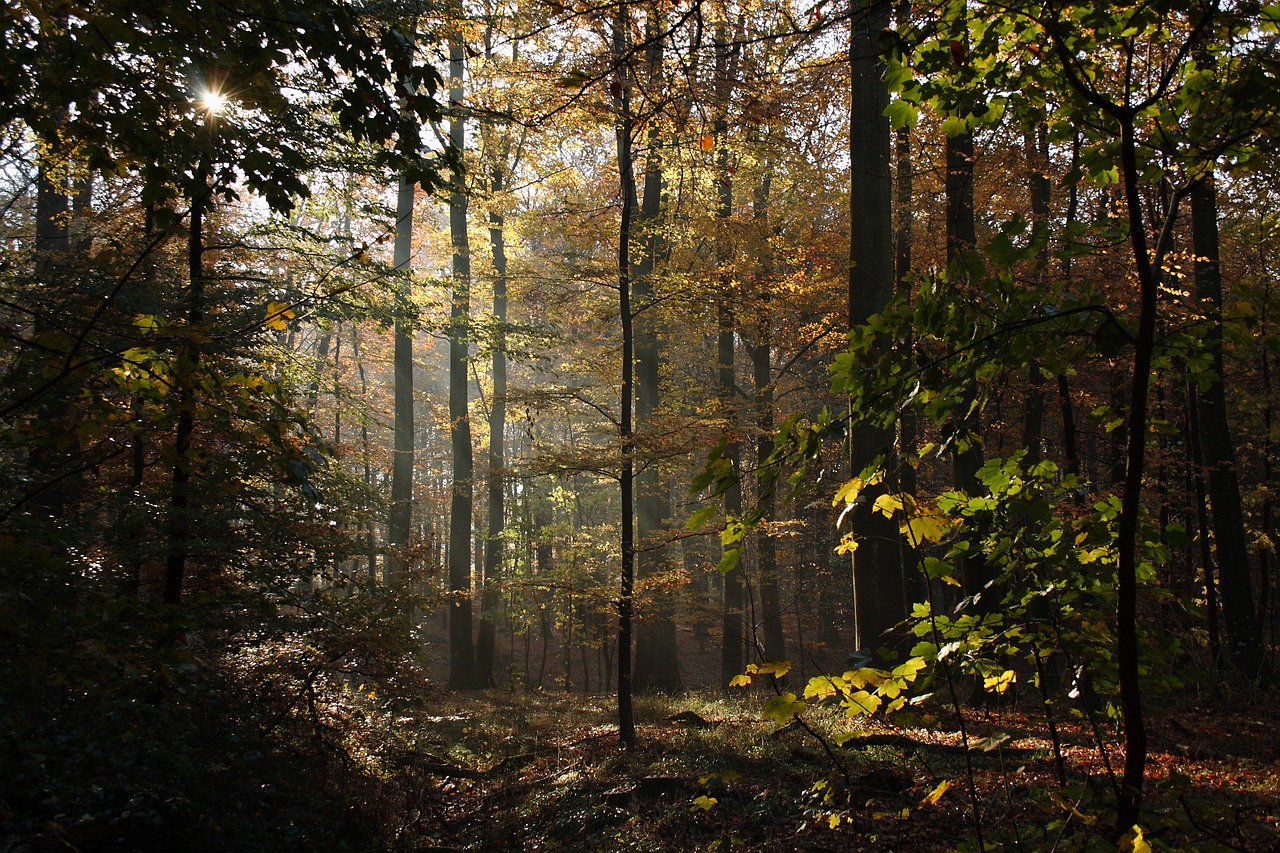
(925,528)
(704,802)
(848,493)
(740,681)
(1000,683)
(707,142)
(833,821)
(847,544)
(776,668)
(931,799)
(1133,842)
(887,505)
(278,316)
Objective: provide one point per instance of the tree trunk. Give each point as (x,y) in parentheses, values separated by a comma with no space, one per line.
(626,176)
(1244,637)
(187,362)
(913,588)
(52,254)
(462,673)
(732,634)
(402,461)
(366,454)
(1036,147)
(1129,800)
(495,552)
(775,648)
(877,564)
(657,656)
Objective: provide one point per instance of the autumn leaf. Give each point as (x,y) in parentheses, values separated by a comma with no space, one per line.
(887,505)
(931,798)
(775,668)
(278,316)
(1000,683)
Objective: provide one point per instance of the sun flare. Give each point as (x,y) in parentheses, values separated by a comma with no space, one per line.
(212,101)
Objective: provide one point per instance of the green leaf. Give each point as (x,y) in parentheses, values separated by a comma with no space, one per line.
(822,687)
(902,114)
(700,517)
(953,126)
(729,561)
(782,708)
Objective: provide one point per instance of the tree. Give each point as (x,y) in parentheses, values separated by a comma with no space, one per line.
(1243,632)
(657,656)
(877,574)
(624,128)
(401,521)
(462,491)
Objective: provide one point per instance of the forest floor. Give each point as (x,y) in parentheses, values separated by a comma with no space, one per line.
(509,771)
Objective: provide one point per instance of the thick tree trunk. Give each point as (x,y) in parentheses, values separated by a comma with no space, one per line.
(1244,637)
(877,562)
(657,656)
(52,256)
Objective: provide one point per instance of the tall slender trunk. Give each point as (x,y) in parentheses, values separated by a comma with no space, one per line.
(1036,147)
(762,372)
(775,647)
(401,519)
(732,634)
(366,453)
(494,553)
(909,423)
(626,175)
(461,650)
(188,360)
(1129,800)
(967,456)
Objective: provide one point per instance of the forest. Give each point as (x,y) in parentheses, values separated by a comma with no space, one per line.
(643,425)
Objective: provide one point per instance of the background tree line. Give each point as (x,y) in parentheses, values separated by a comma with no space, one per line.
(348,349)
